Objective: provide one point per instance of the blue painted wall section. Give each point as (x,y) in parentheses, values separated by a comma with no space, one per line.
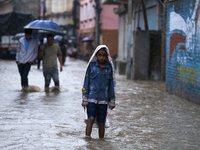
(183,49)
(151,10)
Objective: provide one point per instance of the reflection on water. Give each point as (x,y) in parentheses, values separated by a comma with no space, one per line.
(146,117)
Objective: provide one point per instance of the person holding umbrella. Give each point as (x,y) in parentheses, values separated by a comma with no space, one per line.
(90,49)
(50,52)
(63,50)
(25,55)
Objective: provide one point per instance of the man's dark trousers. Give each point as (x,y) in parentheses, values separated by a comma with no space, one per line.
(24,70)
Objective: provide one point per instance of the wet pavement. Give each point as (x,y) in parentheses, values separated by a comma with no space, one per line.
(146,117)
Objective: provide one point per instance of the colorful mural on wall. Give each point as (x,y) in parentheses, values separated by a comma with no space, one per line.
(183,44)
(182,35)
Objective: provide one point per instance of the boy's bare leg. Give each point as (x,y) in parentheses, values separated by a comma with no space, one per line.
(89,126)
(101,130)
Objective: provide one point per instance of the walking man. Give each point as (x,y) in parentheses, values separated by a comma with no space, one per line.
(25,56)
(50,52)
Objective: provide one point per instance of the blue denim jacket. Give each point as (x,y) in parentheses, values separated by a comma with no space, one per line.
(98,86)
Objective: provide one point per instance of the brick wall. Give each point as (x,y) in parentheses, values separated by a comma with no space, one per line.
(183,49)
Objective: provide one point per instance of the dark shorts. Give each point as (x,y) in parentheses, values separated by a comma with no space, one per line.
(99,110)
(51,73)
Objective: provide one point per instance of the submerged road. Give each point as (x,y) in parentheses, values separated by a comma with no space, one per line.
(146,116)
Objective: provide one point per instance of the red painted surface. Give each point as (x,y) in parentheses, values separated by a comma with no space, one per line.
(174,40)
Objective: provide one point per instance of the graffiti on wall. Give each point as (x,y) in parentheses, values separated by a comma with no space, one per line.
(183,52)
(186,75)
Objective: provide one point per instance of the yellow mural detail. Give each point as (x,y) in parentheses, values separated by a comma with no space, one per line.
(186,74)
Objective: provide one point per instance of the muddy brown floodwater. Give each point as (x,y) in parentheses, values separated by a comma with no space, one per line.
(146,116)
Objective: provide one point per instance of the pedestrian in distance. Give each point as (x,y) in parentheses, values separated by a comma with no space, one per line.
(90,49)
(63,50)
(72,51)
(98,89)
(49,53)
(25,56)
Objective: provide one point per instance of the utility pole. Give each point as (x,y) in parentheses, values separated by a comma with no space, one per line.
(43,9)
(163,46)
(129,33)
(97,22)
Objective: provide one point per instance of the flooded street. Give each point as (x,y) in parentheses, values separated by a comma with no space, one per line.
(145,117)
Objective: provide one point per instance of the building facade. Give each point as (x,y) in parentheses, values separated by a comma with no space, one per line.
(154,12)
(6,6)
(59,11)
(28,6)
(24,6)
(183,49)
(108,25)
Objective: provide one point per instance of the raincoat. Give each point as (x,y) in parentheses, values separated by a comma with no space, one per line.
(99,83)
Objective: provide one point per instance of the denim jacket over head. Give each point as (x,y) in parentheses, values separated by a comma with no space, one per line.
(98,86)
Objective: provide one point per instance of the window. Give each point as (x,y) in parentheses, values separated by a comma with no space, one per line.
(91,10)
(70,3)
(81,13)
(86,12)
(62,5)
(54,6)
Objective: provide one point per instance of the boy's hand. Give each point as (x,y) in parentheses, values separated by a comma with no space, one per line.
(111,107)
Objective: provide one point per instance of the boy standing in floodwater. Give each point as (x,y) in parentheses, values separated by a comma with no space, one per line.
(98,89)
